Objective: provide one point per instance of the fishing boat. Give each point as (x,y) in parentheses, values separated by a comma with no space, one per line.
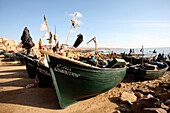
(134,60)
(2,52)
(8,54)
(13,56)
(31,66)
(21,58)
(39,71)
(74,80)
(168,62)
(149,70)
(44,78)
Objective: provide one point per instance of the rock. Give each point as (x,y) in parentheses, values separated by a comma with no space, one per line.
(128,97)
(129,103)
(167,102)
(138,106)
(165,85)
(163,96)
(145,91)
(119,85)
(151,87)
(163,106)
(149,96)
(117,112)
(154,110)
(124,108)
(139,95)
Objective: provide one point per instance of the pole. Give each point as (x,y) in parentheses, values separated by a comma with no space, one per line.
(70,28)
(55,34)
(142,55)
(96,52)
(69,34)
(94,39)
(46,22)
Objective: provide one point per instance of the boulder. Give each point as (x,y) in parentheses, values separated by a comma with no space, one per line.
(138,106)
(163,96)
(128,97)
(163,106)
(165,85)
(154,110)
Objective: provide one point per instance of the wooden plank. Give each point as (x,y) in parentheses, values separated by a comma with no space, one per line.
(65,58)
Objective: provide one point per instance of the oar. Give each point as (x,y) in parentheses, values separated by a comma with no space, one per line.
(94,39)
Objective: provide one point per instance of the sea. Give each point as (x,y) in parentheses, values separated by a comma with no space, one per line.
(148,52)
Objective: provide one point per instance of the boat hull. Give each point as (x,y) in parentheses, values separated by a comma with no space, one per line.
(141,73)
(44,77)
(168,63)
(2,52)
(74,82)
(13,57)
(21,59)
(31,66)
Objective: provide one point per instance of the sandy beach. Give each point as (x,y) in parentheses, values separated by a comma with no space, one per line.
(15,98)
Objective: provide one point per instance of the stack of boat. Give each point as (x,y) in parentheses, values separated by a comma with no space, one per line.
(77,79)
(73,80)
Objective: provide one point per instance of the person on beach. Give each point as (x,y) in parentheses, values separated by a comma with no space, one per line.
(62,50)
(130,52)
(169,56)
(159,57)
(133,52)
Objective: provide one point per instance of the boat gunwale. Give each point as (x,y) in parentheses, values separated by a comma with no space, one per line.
(165,68)
(29,58)
(78,62)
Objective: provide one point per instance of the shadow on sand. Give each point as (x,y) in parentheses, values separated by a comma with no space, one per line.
(35,97)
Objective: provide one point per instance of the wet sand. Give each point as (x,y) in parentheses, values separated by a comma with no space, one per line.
(15,98)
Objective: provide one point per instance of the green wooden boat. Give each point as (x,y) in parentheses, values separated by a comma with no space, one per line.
(154,70)
(31,66)
(8,54)
(13,56)
(74,80)
(43,76)
(21,58)
(2,52)
(39,71)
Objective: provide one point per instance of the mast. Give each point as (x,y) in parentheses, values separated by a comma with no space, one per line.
(70,29)
(142,56)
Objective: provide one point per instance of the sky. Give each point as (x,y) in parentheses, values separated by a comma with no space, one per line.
(114,23)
